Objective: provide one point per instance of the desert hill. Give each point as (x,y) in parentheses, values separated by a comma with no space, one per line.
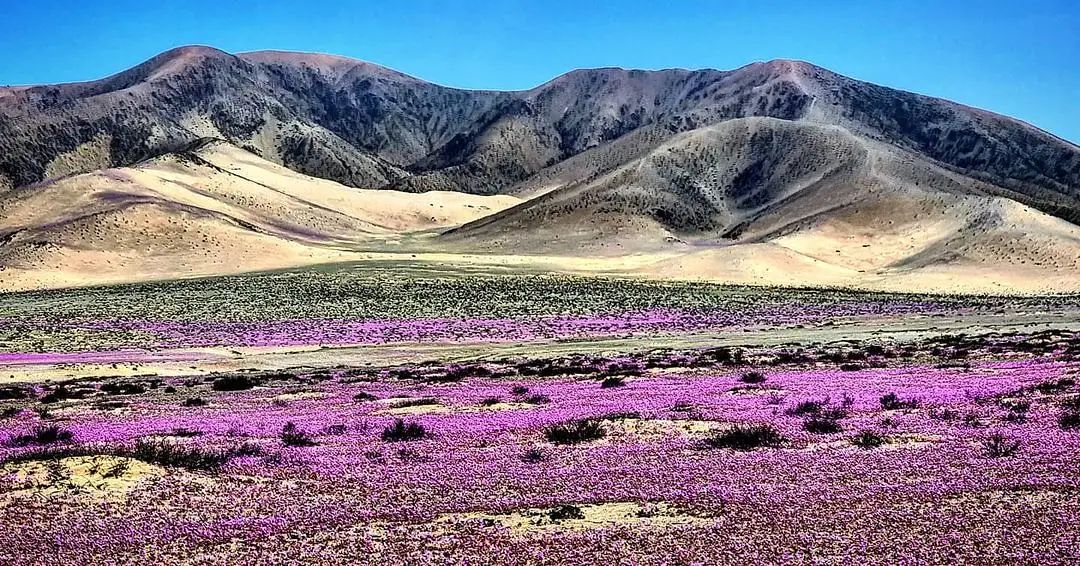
(200,162)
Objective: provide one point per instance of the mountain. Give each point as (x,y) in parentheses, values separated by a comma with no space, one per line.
(708,173)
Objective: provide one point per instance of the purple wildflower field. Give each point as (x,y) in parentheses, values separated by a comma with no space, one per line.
(938,449)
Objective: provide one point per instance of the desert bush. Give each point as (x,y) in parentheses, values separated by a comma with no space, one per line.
(489,401)
(1051,387)
(233,383)
(1069,420)
(519,390)
(458,373)
(537,399)
(363,396)
(185,432)
(122,388)
(746,437)
(723,355)
(194,402)
(248,449)
(752,377)
(64,393)
(822,425)
(576,431)
(175,455)
(999,446)
(868,439)
(533,455)
(14,393)
(335,429)
(291,435)
(401,431)
(42,434)
(1017,410)
(566,512)
(893,402)
(808,407)
(9,412)
(613,381)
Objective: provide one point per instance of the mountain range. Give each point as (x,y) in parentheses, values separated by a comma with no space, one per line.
(200,162)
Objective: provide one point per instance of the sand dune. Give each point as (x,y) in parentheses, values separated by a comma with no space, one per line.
(213,210)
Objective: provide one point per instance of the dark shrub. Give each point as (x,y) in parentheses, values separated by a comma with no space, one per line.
(458,373)
(746,437)
(335,429)
(821,425)
(892,402)
(363,396)
(401,431)
(185,432)
(808,407)
(623,368)
(1055,386)
(537,399)
(172,454)
(9,412)
(573,432)
(123,388)
(291,435)
(998,446)
(519,390)
(169,389)
(533,455)
(1017,410)
(1069,420)
(851,367)
(491,401)
(42,434)
(233,383)
(726,356)
(566,512)
(868,439)
(612,381)
(752,377)
(248,449)
(12,392)
(194,402)
(63,393)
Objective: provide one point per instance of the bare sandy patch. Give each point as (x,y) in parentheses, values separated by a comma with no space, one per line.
(583,517)
(103,476)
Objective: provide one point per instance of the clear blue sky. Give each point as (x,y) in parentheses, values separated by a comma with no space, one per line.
(1020,58)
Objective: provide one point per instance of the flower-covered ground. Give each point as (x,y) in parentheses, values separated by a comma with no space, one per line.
(943,449)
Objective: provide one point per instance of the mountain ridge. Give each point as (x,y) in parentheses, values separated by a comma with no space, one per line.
(755,174)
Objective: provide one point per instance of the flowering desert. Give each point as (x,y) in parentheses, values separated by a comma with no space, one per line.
(568,421)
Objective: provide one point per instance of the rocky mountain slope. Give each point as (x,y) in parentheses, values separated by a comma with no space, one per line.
(779,163)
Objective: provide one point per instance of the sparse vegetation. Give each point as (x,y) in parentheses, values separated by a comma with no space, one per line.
(576,431)
(233,383)
(291,435)
(745,437)
(892,402)
(400,431)
(752,377)
(999,446)
(868,439)
(41,435)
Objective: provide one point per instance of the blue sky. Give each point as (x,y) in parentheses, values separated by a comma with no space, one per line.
(1019,58)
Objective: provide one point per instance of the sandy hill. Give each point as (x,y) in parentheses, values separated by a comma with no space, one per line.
(211,209)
